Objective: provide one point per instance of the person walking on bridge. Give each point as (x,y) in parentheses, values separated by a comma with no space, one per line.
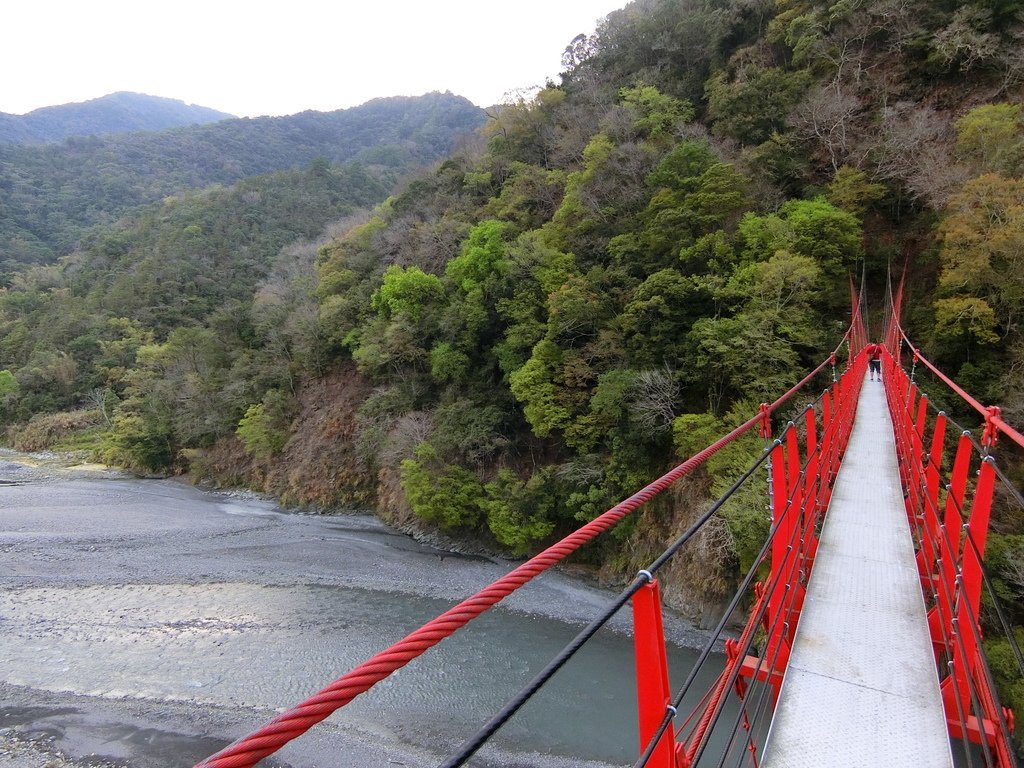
(875,361)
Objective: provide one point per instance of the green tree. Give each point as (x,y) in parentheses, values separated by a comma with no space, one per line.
(263,429)
(657,114)
(754,102)
(983,247)
(533,386)
(851,191)
(408,292)
(518,513)
(991,138)
(8,384)
(443,494)
(481,257)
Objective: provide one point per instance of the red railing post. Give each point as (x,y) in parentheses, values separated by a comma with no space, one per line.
(794,574)
(812,510)
(940,618)
(976,530)
(931,533)
(967,662)
(783,519)
(652,684)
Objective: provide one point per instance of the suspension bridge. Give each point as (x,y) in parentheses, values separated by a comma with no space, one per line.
(862,629)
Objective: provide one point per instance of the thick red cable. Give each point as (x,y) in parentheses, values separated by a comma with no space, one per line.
(990,417)
(294,722)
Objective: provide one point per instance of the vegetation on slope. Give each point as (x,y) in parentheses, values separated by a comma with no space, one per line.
(623,266)
(51,195)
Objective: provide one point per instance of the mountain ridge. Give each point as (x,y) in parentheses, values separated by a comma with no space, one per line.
(114,113)
(51,194)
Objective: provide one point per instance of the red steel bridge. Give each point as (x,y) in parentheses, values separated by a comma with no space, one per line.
(862,642)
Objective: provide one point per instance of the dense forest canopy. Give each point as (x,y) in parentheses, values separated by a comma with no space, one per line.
(51,195)
(611,274)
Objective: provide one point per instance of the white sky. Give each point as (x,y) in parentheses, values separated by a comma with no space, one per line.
(259,58)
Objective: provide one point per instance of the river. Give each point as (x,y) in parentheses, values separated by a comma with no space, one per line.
(148,623)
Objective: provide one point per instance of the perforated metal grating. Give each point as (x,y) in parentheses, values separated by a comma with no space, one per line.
(861,688)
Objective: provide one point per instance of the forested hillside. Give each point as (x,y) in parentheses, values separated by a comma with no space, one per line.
(115,113)
(616,271)
(51,195)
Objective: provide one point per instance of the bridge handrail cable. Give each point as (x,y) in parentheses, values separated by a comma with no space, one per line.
(991,414)
(969,537)
(645,576)
(973,687)
(249,750)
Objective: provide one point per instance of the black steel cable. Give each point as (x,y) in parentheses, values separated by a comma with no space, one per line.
(470,747)
(997,604)
(730,609)
(947,640)
(952,599)
(973,620)
(474,743)
(993,595)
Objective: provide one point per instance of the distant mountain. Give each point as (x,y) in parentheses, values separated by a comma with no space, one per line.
(122,112)
(49,195)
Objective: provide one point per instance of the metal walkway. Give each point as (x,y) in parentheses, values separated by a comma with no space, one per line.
(861,688)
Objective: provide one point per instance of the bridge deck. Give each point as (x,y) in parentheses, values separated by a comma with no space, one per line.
(861,688)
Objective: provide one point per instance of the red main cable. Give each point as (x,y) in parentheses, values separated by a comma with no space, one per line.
(294,722)
(990,414)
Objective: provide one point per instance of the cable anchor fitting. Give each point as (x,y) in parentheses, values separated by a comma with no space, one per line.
(991,432)
(766,421)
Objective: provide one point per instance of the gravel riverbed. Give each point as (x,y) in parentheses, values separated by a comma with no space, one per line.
(147,623)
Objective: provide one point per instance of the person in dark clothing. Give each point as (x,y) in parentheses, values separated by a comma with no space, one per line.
(875,361)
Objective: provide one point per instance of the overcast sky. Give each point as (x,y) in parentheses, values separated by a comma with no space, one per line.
(258,58)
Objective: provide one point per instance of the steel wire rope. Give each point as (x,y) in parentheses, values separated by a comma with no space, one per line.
(745,647)
(994,418)
(472,745)
(1007,483)
(1000,425)
(712,642)
(997,603)
(990,681)
(973,621)
(781,614)
(954,601)
(765,687)
(760,708)
(248,750)
(947,640)
(645,576)
(716,635)
(742,720)
(743,589)
(956,639)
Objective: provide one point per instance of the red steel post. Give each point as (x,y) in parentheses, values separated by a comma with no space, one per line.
(940,618)
(652,685)
(811,481)
(931,536)
(798,517)
(784,518)
(977,530)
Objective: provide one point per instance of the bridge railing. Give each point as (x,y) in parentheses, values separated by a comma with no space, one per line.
(949,511)
(804,461)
